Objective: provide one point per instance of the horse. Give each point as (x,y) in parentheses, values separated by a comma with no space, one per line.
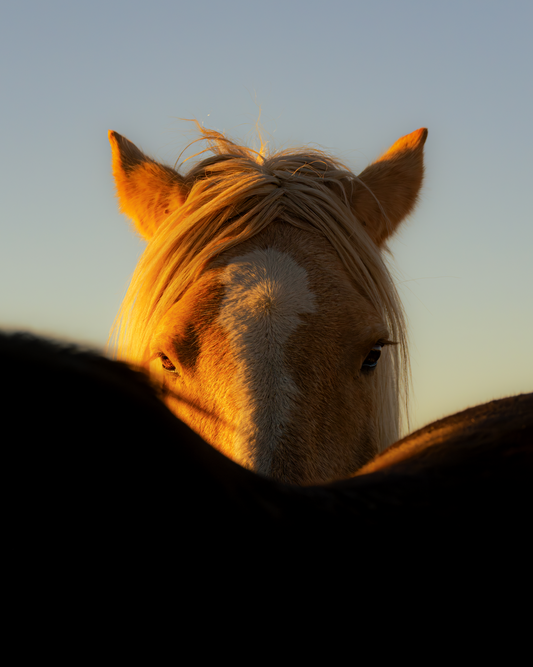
(263,305)
(115,510)
(101,469)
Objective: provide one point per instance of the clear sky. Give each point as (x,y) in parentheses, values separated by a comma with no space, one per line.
(350,77)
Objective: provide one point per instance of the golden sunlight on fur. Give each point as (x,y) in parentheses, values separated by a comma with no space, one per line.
(262,303)
(149,191)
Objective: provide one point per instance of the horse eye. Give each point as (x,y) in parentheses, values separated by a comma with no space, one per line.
(167,364)
(372,359)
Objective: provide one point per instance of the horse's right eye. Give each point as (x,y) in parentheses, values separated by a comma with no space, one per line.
(167,364)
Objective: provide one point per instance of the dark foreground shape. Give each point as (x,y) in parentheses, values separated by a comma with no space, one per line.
(110,494)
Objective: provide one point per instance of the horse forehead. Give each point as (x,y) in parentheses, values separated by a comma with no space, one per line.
(283,281)
(266,282)
(274,283)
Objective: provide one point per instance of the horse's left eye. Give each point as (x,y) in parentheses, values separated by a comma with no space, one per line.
(372,359)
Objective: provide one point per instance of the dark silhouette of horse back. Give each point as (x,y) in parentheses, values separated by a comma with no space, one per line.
(106,485)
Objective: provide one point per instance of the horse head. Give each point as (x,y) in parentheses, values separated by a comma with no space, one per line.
(262,303)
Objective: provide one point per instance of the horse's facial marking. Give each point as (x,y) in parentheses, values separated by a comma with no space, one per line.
(266,293)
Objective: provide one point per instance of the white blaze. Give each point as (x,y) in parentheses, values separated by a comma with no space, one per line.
(266,291)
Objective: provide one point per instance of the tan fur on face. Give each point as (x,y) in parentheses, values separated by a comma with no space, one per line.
(312,209)
(264,371)
(200,391)
(331,404)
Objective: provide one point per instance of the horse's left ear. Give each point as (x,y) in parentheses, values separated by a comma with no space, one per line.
(394,180)
(147,191)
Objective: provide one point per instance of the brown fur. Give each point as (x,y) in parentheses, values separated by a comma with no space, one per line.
(482,426)
(295,202)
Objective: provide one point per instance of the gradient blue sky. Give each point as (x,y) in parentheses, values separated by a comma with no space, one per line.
(350,77)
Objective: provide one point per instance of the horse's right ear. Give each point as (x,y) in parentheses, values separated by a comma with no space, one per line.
(147,191)
(394,180)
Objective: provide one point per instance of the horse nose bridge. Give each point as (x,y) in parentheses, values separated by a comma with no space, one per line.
(266,294)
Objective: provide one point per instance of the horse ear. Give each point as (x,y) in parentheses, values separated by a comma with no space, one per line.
(147,191)
(394,180)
